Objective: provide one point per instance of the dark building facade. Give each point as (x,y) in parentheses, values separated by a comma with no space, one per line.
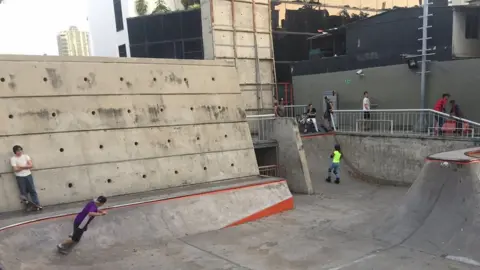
(382,40)
(176,35)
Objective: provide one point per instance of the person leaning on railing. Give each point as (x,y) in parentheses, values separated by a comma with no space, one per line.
(279,110)
(456,111)
(440,107)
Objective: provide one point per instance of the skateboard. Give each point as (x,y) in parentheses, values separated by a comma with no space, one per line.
(65,250)
(29,205)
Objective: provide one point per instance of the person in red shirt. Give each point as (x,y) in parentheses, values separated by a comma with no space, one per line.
(440,106)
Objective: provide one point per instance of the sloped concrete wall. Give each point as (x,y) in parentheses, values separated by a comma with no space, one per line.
(292,155)
(117,126)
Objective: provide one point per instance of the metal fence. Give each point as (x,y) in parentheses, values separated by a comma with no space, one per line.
(294,111)
(272,170)
(261,127)
(408,122)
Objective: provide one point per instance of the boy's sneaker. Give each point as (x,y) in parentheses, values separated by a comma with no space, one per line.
(61,247)
(329,180)
(337,181)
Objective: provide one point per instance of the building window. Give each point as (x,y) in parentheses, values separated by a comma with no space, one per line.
(117,9)
(471,25)
(122,50)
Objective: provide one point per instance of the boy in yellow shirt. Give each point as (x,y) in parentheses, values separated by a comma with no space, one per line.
(336,156)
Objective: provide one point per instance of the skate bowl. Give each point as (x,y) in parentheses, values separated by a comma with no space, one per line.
(31,244)
(439,214)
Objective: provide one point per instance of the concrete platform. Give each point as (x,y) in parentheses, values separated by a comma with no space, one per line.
(351,226)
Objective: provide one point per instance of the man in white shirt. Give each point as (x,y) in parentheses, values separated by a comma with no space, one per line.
(366,109)
(21,165)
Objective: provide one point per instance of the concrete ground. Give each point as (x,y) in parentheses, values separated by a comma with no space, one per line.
(325,231)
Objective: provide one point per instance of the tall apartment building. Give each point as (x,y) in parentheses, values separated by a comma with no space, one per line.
(73,42)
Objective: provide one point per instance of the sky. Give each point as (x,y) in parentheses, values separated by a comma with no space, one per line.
(31,26)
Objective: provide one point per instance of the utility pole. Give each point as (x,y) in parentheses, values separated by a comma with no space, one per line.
(424,53)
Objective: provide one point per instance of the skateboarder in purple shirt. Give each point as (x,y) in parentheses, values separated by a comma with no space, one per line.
(81,222)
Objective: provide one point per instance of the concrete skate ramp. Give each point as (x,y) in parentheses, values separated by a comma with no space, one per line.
(31,245)
(440,212)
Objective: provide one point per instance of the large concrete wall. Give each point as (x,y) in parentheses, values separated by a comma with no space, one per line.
(396,87)
(116,126)
(242,31)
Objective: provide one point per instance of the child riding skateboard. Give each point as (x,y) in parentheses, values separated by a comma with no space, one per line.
(81,222)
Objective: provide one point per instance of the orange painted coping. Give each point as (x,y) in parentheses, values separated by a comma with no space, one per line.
(34,221)
(272,210)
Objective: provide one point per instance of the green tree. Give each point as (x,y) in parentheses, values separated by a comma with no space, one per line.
(189,4)
(160,7)
(141,7)
(363,15)
(346,18)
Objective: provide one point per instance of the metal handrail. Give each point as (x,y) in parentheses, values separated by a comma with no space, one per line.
(416,110)
(263,116)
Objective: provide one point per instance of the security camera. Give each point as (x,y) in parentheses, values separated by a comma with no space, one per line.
(360,72)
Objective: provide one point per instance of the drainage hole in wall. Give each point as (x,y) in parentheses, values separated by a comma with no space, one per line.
(204,168)
(176,172)
(129,111)
(136,143)
(85,79)
(121,79)
(144,176)
(232,164)
(169,140)
(2,79)
(70,185)
(45,79)
(93,112)
(161,109)
(226,135)
(61,150)
(191,108)
(10,116)
(101,146)
(213,78)
(219,107)
(198,138)
(54,114)
(109,181)
(154,79)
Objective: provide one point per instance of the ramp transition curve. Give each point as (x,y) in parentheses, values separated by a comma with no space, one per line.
(440,212)
(152,223)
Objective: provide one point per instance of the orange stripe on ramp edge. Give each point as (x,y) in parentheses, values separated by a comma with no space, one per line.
(269,211)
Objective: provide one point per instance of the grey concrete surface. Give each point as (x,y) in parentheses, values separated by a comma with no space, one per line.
(292,154)
(118,126)
(241,32)
(394,160)
(351,226)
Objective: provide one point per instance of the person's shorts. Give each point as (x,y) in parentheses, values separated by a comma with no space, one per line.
(366,115)
(77,233)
